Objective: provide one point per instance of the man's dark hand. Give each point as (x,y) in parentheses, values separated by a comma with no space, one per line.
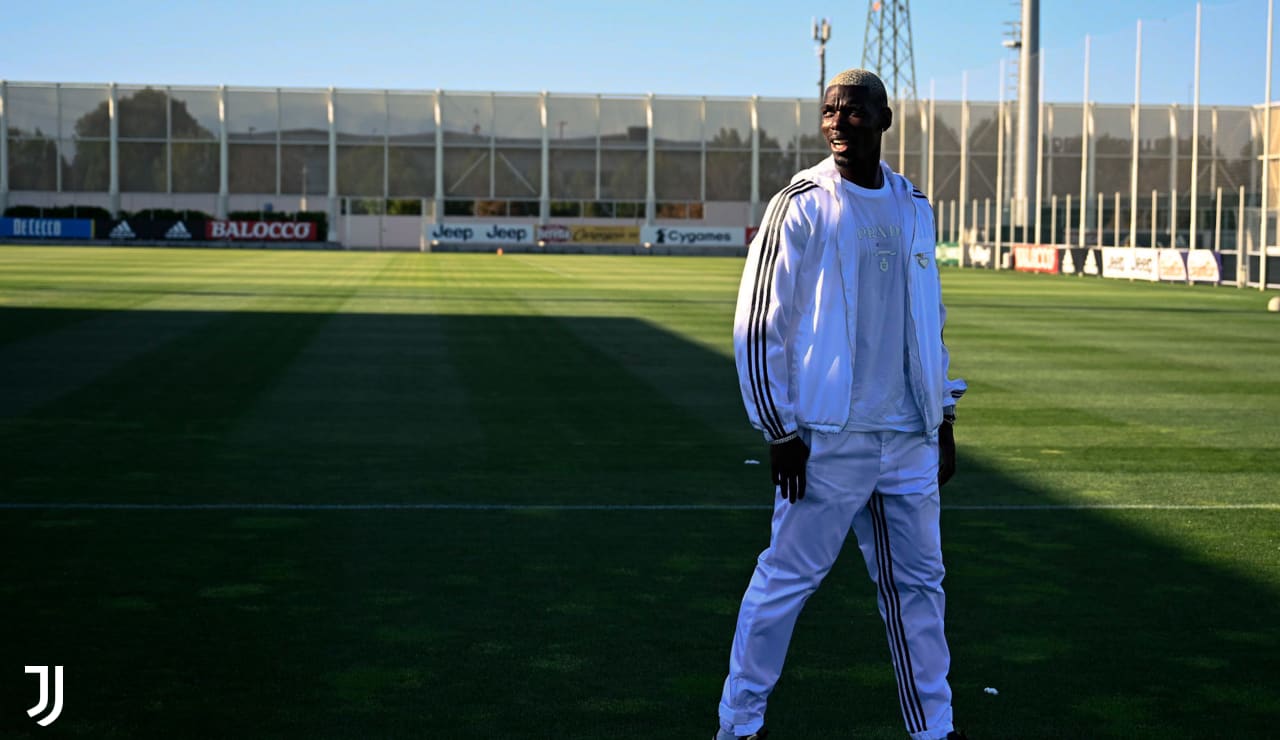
(788,461)
(946,452)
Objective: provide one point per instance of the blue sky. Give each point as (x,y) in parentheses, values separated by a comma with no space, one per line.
(746,47)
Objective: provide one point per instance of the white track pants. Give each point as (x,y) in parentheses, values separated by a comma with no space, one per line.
(883,485)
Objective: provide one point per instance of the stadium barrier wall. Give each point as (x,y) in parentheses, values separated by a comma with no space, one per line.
(382,232)
(1164,264)
(161,231)
(557,236)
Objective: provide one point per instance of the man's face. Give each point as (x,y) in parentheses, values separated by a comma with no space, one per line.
(853,121)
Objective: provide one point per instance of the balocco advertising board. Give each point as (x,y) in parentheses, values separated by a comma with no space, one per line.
(470,233)
(260,231)
(695,236)
(1035,258)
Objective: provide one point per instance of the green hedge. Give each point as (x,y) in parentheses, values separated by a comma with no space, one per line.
(320,217)
(57,212)
(167,214)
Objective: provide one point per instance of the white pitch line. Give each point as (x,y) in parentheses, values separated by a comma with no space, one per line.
(1121,507)
(527,263)
(90,506)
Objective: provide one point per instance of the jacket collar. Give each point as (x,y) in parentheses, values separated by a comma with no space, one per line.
(825,175)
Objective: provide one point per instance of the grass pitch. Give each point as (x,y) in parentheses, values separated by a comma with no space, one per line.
(241,400)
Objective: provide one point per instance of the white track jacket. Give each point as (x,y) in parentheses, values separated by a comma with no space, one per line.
(794,327)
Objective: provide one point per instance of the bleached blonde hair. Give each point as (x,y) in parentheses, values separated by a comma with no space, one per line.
(861,78)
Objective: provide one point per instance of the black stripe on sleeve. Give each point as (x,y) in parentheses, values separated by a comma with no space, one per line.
(770,248)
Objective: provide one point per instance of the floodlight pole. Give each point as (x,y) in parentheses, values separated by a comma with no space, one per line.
(1000,183)
(822,34)
(1029,87)
(4,147)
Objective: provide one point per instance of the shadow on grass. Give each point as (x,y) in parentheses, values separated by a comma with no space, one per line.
(317,407)
(532,623)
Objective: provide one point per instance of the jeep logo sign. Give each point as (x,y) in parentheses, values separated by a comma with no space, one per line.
(480,233)
(980,255)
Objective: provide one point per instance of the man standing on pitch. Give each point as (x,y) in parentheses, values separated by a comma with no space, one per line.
(838,340)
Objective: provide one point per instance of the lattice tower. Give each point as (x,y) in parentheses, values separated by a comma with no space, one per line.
(886,47)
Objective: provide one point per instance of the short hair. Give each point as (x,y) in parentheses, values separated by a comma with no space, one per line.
(861,78)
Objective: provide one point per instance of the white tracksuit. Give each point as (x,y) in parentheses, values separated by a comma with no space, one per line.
(795,334)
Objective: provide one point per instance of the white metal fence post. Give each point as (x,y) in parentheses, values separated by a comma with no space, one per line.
(4,146)
(1133,162)
(1066,220)
(1154,207)
(1195,139)
(1084,147)
(1115,221)
(1242,261)
(1053,219)
(964,156)
(1000,170)
(1040,148)
(1266,160)
(1217,222)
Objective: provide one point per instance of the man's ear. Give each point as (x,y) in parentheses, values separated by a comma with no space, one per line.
(888,118)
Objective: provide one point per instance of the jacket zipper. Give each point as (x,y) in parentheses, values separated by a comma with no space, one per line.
(913,345)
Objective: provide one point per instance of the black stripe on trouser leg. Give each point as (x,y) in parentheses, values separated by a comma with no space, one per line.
(757,347)
(895,647)
(912,708)
(897,641)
